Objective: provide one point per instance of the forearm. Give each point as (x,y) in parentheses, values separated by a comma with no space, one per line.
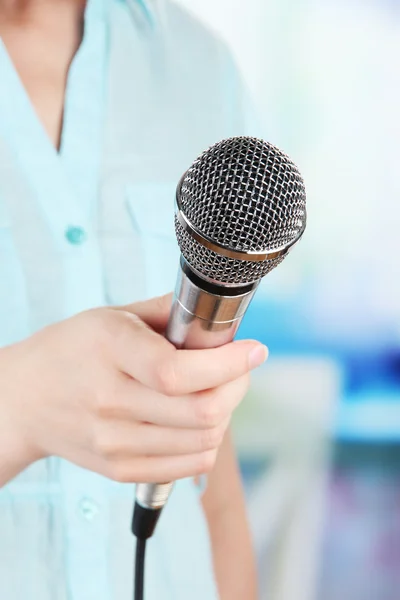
(233,557)
(224,505)
(14,456)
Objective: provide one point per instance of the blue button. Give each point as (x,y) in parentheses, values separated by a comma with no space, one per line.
(88,508)
(75,235)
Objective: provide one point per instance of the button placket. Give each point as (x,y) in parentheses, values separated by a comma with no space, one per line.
(87,521)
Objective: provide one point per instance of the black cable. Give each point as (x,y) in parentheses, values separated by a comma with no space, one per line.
(144,522)
(139,569)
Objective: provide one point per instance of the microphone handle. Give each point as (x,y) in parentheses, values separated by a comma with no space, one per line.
(203,315)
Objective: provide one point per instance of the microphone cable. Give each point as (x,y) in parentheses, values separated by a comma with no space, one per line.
(139,569)
(143,525)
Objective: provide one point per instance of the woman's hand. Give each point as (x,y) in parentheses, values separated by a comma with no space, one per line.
(106,391)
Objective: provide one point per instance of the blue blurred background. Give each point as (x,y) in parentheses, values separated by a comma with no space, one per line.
(319,435)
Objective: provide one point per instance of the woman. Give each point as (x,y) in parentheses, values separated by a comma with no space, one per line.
(102,108)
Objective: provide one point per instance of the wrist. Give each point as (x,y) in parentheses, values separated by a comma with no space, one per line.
(16,449)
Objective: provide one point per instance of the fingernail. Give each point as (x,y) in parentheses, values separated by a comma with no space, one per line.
(257,356)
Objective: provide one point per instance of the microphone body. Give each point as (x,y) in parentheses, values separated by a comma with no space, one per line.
(240,208)
(203,315)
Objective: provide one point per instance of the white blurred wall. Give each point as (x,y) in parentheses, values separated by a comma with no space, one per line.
(325,80)
(235,22)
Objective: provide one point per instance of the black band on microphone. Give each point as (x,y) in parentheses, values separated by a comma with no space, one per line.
(214,288)
(144,521)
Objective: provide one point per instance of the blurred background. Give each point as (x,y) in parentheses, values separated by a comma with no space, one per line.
(319,435)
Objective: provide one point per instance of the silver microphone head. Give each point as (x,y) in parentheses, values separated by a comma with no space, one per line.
(240,207)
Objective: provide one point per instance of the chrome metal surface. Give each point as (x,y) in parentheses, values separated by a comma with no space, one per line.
(153,495)
(200,319)
(250,255)
(247,197)
(220,269)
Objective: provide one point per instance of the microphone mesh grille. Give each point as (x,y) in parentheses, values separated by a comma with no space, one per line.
(216,267)
(246,195)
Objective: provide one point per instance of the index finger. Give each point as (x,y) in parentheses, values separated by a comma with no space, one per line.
(188,371)
(149,358)
(154,312)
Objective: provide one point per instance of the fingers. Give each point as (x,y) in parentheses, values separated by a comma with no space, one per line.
(145,469)
(186,371)
(152,360)
(131,401)
(124,440)
(164,468)
(154,312)
(128,450)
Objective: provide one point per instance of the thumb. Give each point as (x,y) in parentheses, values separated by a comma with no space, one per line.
(154,312)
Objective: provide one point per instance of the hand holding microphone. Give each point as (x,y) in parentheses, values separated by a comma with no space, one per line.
(107,391)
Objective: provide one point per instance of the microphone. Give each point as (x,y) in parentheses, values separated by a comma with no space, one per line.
(240,208)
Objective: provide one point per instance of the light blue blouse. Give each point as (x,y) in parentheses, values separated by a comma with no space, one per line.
(148,90)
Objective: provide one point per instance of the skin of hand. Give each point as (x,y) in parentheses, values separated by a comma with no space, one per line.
(106,391)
